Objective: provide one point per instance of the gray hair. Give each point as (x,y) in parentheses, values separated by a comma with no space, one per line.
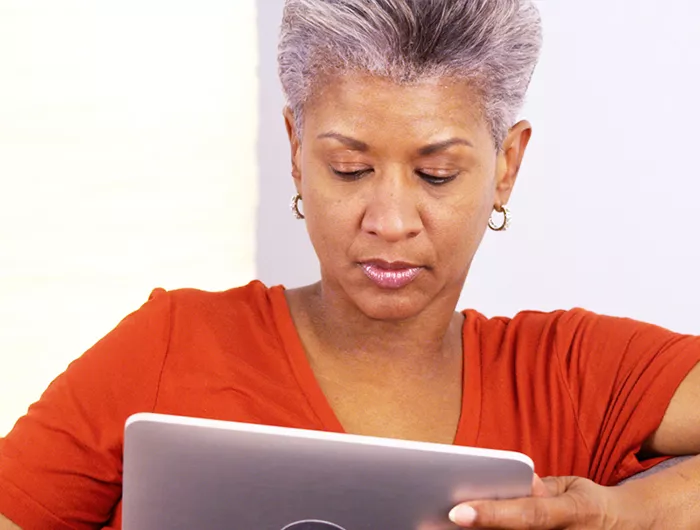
(493,44)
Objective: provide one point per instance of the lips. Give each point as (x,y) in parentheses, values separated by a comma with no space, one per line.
(390,275)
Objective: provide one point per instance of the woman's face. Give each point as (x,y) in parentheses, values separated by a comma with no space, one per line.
(398,182)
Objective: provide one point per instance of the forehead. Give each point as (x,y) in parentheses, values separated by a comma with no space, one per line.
(363,103)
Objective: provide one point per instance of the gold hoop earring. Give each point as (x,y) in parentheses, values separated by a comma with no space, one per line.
(505,224)
(294,206)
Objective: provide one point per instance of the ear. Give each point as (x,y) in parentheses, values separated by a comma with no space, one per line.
(295,146)
(509,160)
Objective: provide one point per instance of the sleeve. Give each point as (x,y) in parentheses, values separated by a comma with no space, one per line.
(61,465)
(622,375)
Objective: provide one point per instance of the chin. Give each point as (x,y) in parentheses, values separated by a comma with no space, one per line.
(391,305)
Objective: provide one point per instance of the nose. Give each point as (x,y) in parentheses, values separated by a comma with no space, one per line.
(392,211)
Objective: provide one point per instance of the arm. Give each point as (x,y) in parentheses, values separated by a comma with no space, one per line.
(671,497)
(668,499)
(60,466)
(679,432)
(6,524)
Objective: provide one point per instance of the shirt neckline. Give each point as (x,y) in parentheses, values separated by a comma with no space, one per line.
(469,419)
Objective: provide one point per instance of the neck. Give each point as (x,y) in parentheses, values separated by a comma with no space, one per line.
(338,327)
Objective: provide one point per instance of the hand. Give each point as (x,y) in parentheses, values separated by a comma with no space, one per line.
(557,503)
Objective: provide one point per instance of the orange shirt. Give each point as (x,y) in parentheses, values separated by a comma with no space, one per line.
(575,391)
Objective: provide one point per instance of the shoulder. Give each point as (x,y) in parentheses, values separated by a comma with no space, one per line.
(573,335)
(184,321)
(251,304)
(530,322)
(193,299)
(562,333)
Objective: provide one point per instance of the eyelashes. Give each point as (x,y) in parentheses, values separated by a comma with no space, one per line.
(430,179)
(351,175)
(436,181)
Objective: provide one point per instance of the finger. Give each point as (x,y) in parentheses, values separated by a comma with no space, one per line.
(535,513)
(558,485)
(539,488)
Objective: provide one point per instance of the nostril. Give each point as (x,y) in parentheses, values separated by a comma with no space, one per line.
(392,222)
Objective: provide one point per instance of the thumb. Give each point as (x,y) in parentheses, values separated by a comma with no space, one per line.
(558,485)
(539,487)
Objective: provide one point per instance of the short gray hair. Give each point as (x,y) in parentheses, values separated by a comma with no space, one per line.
(493,44)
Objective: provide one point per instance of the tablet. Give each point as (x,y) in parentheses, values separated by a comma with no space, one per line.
(184,473)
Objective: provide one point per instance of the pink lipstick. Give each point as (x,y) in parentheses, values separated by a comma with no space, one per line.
(390,275)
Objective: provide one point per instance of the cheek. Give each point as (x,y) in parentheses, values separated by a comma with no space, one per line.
(458,229)
(329,221)
(326,206)
(329,206)
(327,213)
(479,200)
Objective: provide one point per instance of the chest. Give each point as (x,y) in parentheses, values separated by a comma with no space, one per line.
(411,407)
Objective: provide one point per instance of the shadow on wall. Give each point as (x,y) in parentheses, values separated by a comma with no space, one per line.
(284,253)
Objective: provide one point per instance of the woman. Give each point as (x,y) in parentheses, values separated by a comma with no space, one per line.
(404,149)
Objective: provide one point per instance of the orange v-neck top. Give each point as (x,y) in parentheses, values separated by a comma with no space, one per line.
(577,392)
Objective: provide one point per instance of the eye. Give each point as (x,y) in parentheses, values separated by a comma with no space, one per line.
(350,175)
(436,181)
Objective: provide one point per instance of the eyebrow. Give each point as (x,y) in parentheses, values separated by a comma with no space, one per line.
(441,146)
(427,150)
(352,143)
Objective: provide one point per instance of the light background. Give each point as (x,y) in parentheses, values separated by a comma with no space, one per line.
(127,162)
(141,145)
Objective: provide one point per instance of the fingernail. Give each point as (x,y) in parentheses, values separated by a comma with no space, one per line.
(462,515)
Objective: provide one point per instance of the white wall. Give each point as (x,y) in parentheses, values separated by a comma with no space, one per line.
(127,161)
(604,214)
(284,253)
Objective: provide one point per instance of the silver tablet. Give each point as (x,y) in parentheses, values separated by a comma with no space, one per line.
(186,473)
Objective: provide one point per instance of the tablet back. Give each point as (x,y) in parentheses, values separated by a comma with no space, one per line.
(184,473)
